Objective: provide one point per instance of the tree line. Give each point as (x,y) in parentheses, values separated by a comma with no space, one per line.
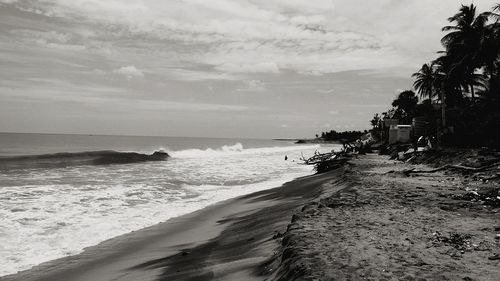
(345,136)
(460,89)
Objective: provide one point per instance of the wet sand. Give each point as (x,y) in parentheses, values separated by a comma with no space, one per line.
(232,240)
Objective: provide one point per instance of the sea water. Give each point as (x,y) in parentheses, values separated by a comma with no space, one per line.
(49,213)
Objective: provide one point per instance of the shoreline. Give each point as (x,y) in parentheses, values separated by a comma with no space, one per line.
(129,256)
(370,219)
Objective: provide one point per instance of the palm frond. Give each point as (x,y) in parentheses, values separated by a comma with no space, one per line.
(450,27)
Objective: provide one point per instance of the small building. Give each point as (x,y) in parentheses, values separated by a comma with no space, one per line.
(404,133)
(389,132)
(399,133)
(393,134)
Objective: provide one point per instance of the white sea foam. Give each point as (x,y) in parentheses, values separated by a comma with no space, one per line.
(237,149)
(51,213)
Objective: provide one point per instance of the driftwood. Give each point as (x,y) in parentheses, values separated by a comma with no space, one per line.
(320,157)
(324,162)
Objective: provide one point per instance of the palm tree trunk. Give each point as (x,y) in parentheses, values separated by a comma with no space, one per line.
(443,109)
(472,93)
(442,128)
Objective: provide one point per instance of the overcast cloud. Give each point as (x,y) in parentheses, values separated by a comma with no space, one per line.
(241,68)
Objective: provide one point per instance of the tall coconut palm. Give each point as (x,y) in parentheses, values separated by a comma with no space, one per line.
(443,82)
(463,45)
(467,30)
(488,56)
(425,81)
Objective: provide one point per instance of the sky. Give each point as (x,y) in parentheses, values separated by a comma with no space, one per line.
(218,68)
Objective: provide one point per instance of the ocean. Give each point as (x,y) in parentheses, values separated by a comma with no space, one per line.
(51,211)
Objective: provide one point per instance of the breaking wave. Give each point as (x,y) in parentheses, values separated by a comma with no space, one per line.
(67,159)
(237,149)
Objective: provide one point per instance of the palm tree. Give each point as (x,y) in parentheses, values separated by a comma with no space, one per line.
(424,81)
(489,54)
(496,8)
(467,29)
(471,61)
(429,82)
(471,81)
(443,83)
(461,77)
(464,46)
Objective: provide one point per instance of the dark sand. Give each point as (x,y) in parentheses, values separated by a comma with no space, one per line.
(233,240)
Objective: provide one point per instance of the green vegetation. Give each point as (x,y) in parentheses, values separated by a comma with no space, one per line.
(344,137)
(459,92)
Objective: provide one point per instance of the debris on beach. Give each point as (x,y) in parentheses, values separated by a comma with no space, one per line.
(489,195)
(480,165)
(324,162)
(459,241)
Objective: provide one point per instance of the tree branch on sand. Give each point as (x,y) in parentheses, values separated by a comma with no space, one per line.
(324,162)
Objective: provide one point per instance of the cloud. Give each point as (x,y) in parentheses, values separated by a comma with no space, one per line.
(129,71)
(198,75)
(187,106)
(113,99)
(264,67)
(200,57)
(49,39)
(257,36)
(253,86)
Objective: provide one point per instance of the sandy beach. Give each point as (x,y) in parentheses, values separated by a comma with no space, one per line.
(366,221)
(387,224)
(152,140)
